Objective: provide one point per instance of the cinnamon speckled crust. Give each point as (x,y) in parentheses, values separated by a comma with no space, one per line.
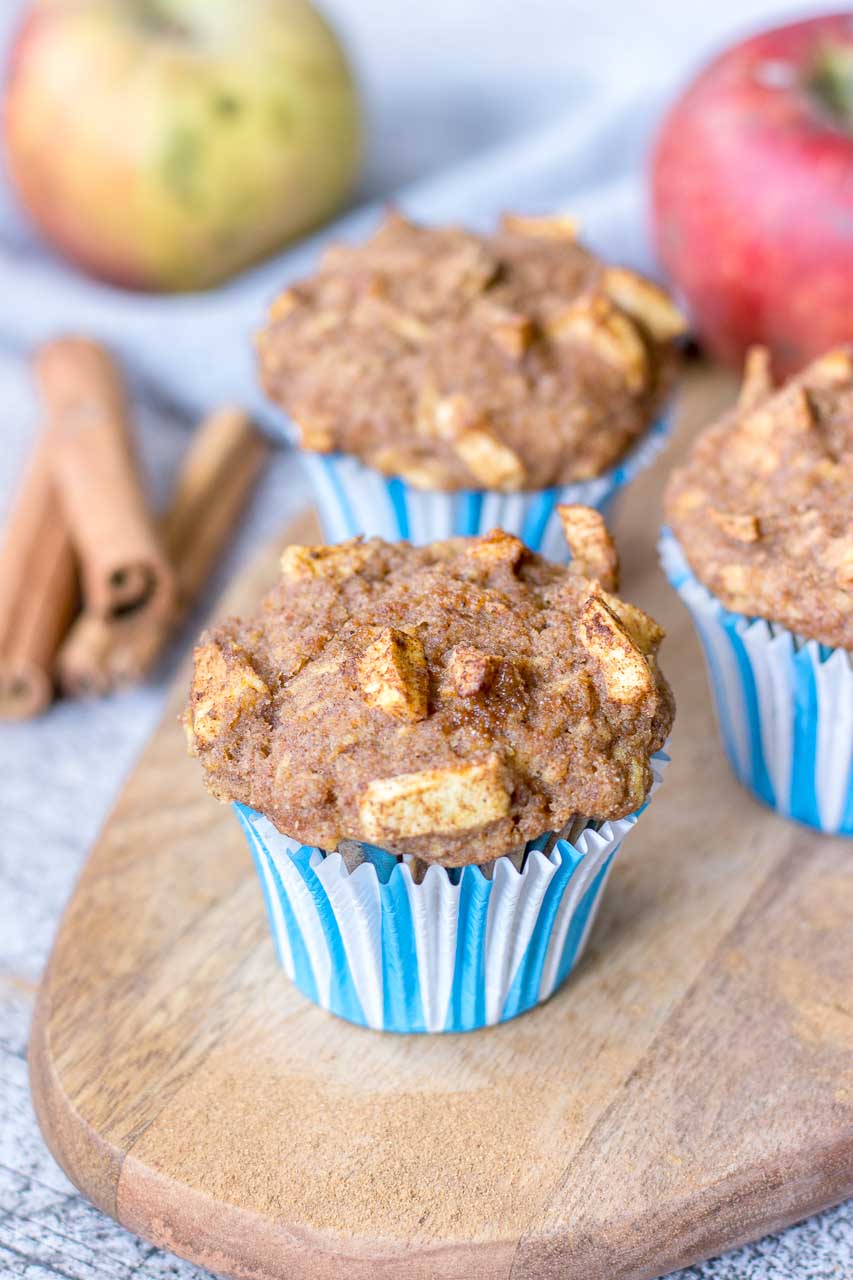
(511,361)
(451,701)
(763,508)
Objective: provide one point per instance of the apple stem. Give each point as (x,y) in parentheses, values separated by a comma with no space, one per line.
(830,83)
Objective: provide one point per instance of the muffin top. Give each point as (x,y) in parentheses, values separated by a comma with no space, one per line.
(460,361)
(451,701)
(763,508)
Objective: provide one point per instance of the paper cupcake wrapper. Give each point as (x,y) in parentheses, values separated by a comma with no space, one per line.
(353,498)
(454,952)
(784,705)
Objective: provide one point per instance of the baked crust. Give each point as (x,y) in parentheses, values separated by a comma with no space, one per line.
(450,701)
(763,508)
(506,362)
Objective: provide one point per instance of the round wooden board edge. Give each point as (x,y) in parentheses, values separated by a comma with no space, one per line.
(92,1164)
(220,1237)
(240,1243)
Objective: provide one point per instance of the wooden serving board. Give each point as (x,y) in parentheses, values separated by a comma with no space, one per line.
(690,1088)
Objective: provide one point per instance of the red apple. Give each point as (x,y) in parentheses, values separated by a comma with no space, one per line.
(752,190)
(164,144)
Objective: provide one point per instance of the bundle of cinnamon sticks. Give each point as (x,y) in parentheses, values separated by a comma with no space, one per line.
(91,582)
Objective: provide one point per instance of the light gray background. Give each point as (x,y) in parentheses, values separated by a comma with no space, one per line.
(473,106)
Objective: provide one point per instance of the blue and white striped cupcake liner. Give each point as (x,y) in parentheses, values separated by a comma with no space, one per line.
(456,951)
(784,705)
(354,499)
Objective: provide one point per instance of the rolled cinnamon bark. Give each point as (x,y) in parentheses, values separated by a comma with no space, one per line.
(101,655)
(38,591)
(122,562)
(216,478)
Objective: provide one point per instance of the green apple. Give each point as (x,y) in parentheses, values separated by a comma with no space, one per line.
(166,144)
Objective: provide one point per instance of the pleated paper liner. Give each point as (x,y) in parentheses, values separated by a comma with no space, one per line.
(453,951)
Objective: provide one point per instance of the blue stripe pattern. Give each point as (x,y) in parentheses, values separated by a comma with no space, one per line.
(303,972)
(778,698)
(343,997)
(580,919)
(760,779)
(298,903)
(401,991)
(354,499)
(524,991)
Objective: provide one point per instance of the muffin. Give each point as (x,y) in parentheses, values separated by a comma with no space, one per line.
(760,547)
(435,753)
(442,383)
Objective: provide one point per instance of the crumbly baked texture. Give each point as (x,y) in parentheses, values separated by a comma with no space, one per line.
(451,701)
(507,362)
(763,507)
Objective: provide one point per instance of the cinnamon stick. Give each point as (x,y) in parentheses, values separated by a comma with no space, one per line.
(216,478)
(218,473)
(38,590)
(104,654)
(122,563)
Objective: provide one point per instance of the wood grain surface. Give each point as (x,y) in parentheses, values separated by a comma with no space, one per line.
(690,1088)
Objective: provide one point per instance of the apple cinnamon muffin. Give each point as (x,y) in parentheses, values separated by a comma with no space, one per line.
(760,546)
(435,754)
(430,363)
(451,701)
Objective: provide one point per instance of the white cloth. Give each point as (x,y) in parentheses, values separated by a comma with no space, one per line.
(474,106)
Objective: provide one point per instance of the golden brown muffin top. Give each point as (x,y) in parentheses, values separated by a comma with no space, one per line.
(763,508)
(457,361)
(451,701)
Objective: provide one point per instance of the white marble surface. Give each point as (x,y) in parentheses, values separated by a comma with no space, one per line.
(473,75)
